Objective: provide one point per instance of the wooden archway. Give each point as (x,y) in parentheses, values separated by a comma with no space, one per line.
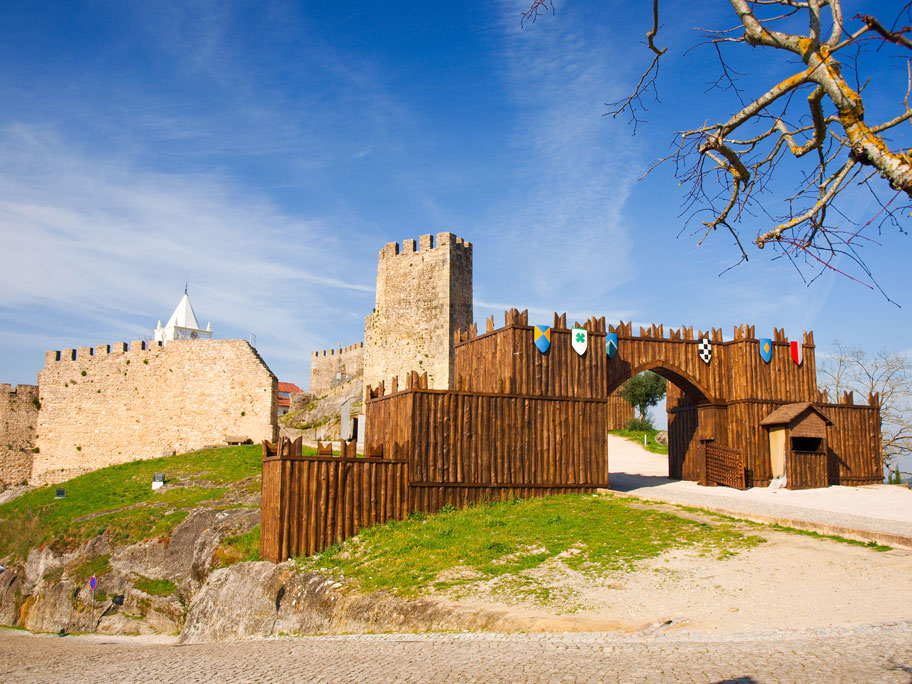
(722,401)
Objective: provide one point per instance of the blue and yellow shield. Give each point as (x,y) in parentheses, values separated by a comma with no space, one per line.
(766,349)
(611,344)
(543,338)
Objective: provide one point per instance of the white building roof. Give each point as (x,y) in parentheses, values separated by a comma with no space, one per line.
(183,316)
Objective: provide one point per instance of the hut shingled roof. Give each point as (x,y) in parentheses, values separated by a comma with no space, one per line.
(786,414)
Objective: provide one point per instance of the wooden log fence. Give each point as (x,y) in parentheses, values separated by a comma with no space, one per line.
(465,446)
(522,423)
(312,502)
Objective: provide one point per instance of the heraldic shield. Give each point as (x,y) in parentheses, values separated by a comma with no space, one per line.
(766,349)
(611,344)
(705,350)
(579,340)
(797,352)
(542,337)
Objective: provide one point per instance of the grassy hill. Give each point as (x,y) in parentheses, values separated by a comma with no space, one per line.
(589,533)
(120,500)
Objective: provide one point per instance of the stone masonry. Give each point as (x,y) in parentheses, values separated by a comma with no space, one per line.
(115,403)
(18,421)
(423,296)
(333,367)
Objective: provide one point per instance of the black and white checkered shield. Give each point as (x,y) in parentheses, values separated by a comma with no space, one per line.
(705,350)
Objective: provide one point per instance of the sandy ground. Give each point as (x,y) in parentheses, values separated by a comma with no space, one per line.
(790,582)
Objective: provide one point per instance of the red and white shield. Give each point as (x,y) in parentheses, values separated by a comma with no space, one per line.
(797,352)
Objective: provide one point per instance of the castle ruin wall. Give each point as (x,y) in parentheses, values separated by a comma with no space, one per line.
(18,422)
(118,403)
(424,294)
(333,367)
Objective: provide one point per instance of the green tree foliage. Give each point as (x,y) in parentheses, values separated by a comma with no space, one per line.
(643,391)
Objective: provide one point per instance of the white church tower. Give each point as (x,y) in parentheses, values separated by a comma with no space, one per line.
(182,325)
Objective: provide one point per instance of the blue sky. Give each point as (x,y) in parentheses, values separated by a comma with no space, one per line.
(265,152)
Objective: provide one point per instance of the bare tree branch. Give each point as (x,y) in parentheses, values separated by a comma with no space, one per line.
(729,170)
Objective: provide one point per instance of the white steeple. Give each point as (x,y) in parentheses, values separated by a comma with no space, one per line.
(183,316)
(183,324)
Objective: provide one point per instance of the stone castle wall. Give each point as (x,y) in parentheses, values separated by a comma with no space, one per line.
(113,404)
(423,296)
(327,365)
(18,422)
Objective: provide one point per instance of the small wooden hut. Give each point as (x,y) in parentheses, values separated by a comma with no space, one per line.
(798,445)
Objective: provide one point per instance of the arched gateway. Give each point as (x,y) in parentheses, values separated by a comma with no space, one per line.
(519,421)
(718,397)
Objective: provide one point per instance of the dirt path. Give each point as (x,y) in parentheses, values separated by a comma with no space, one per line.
(881,513)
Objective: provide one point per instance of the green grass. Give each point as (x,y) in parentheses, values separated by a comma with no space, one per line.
(120,500)
(95,565)
(490,540)
(782,528)
(239,548)
(874,546)
(154,587)
(637,436)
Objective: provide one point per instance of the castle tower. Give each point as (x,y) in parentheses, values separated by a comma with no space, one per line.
(423,296)
(182,325)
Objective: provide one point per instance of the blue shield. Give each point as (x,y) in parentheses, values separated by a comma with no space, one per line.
(766,349)
(611,344)
(542,335)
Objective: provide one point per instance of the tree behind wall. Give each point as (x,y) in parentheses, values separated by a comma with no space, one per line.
(643,391)
(849,369)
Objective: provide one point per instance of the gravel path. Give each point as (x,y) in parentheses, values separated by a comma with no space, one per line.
(880,513)
(875,654)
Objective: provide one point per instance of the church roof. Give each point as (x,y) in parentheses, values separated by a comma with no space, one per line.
(183,316)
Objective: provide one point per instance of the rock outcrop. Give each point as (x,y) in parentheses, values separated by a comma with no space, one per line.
(262,599)
(49,591)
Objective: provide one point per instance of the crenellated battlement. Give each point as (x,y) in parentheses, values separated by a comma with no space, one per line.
(742,333)
(7,389)
(424,293)
(116,402)
(101,350)
(338,351)
(442,242)
(333,367)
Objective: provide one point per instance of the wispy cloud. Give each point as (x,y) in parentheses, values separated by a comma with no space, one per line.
(106,247)
(546,315)
(565,219)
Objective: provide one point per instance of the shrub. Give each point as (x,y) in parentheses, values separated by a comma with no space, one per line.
(639,425)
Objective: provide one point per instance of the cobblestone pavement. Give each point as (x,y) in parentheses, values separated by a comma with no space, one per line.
(872,654)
